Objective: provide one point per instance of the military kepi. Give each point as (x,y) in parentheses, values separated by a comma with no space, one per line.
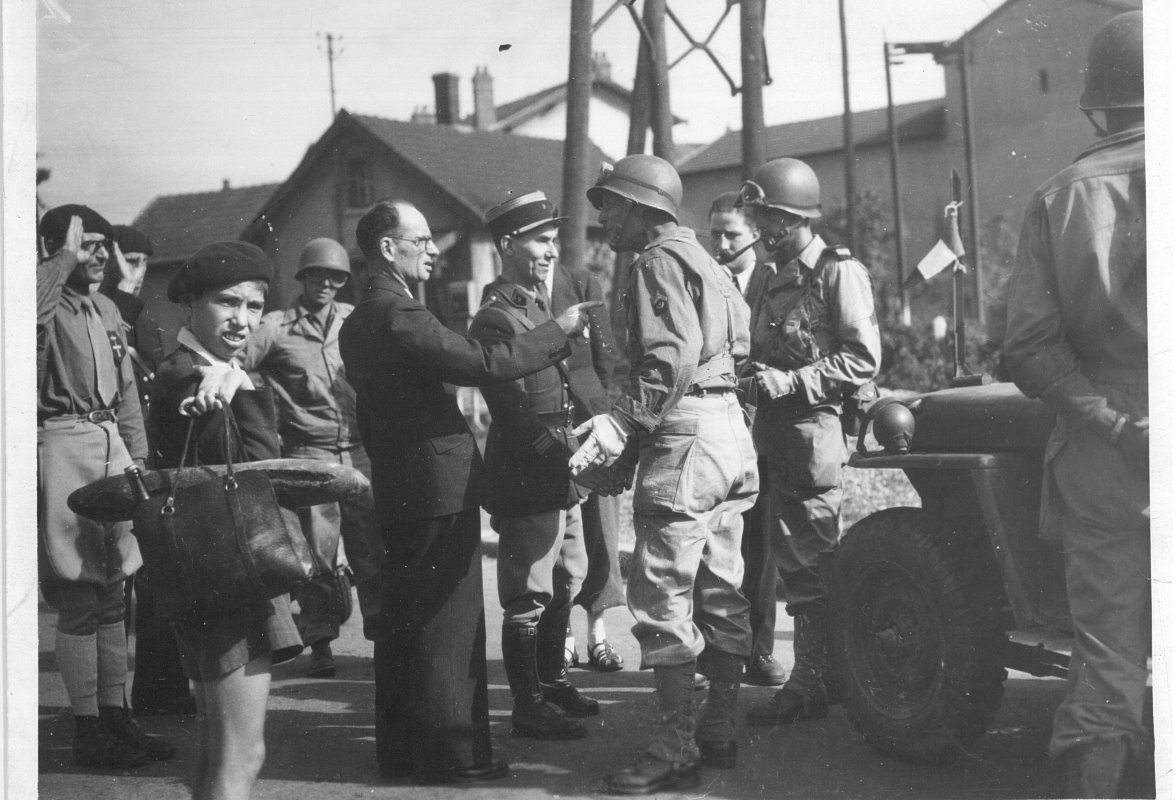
(521,214)
(220,264)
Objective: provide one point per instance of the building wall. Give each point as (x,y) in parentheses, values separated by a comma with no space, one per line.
(608,126)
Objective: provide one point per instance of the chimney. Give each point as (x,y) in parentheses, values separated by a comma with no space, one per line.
(423,115)
(484,113)
(601,68)
(445,92)
(225,185)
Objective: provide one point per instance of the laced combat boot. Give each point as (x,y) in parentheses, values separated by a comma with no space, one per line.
(671,760)
(803,696)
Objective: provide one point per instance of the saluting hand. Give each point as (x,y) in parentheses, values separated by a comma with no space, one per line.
(576,318)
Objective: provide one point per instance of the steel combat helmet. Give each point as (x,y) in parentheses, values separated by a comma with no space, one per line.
(1114,65)
(643,179)
(325,253)
(788,184)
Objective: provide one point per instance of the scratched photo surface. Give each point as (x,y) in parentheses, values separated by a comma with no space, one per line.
(277,122)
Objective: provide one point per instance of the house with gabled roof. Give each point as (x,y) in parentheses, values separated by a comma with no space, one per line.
(180,224)
(1026,74)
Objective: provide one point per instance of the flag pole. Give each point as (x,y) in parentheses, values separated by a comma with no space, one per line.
(963,374)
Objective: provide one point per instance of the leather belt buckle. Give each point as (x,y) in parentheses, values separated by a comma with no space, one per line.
(101,415)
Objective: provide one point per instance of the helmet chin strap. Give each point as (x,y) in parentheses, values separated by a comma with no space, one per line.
(1099,130)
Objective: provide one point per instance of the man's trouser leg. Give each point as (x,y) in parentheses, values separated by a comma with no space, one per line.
(532,574)
(432,701)
(760,577)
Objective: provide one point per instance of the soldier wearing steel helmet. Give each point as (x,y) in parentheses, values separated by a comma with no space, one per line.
(814,338)
(1077,338)
(680,424)
(296,353)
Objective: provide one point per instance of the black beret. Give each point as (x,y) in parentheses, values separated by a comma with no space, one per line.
(55,223)
(133,240)
(219,264)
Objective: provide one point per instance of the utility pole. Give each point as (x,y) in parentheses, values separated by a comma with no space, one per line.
(330,37)
(847,127)
(573,236)
(661,120)
(751,37)
(903,300)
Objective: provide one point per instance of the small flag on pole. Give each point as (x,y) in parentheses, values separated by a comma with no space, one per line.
(943,254)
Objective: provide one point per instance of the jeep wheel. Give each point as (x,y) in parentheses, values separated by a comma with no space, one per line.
(915,639)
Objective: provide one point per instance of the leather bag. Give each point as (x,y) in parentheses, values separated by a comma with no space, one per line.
(217,544)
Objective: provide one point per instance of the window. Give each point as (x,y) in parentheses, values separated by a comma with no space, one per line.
(359,191)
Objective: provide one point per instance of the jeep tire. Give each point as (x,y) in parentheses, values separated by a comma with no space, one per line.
(915,636)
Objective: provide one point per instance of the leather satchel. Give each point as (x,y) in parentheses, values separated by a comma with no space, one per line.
(216,545)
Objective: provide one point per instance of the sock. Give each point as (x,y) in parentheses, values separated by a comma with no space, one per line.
(112,664)
(596,631)
(77,661)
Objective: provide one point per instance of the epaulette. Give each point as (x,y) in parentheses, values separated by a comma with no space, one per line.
(840,252)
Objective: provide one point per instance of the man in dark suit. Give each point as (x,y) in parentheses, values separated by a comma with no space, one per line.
(432,715)
(529,490)
(733,240)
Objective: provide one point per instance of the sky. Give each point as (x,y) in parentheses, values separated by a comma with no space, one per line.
(138,98)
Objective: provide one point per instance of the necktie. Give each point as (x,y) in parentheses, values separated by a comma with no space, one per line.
(542,300)
(106,374)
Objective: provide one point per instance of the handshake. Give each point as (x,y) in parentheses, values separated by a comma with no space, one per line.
(604,463)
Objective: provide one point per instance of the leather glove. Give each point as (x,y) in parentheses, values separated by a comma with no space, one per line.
(605,443)
(1133,442)
(774,383)
(607,481)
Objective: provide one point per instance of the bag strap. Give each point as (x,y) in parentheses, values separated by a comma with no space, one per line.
(169,505)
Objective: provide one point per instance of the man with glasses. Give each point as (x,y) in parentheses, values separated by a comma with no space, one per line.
(814,338)
(89,426)
(432,705)
(296,353)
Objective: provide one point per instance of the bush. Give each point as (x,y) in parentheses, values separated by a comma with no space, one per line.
(913,359)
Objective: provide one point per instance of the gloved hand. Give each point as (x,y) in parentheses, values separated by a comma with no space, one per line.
(773,382)
(607,481)
(606,441)
(1133,443)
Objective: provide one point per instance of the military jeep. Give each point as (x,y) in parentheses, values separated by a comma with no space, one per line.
(930,606)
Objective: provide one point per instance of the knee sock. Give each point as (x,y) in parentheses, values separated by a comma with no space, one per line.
(112,664)
(596,631)
(77,661)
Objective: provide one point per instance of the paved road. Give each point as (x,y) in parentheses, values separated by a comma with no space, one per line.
(321,745)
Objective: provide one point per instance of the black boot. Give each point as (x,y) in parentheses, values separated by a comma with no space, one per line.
(671,760)
(553,668)
(95,746)
(531,715)
(715,732)
(803,696)
(124,728)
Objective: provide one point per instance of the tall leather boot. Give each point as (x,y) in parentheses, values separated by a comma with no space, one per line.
(531,715)
(671,761)
(1096,769)
(803,696)
(551,635)
(715,733)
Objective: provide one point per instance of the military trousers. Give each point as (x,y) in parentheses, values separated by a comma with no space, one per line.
(803,457)
(541,563)
(353,520)
(760,574)
(1102,513)
(696,475)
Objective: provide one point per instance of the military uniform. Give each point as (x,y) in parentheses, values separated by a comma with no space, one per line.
(82,436)
(1077,338)
(296,354)
(814,319)
(590,369)
(432,712)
